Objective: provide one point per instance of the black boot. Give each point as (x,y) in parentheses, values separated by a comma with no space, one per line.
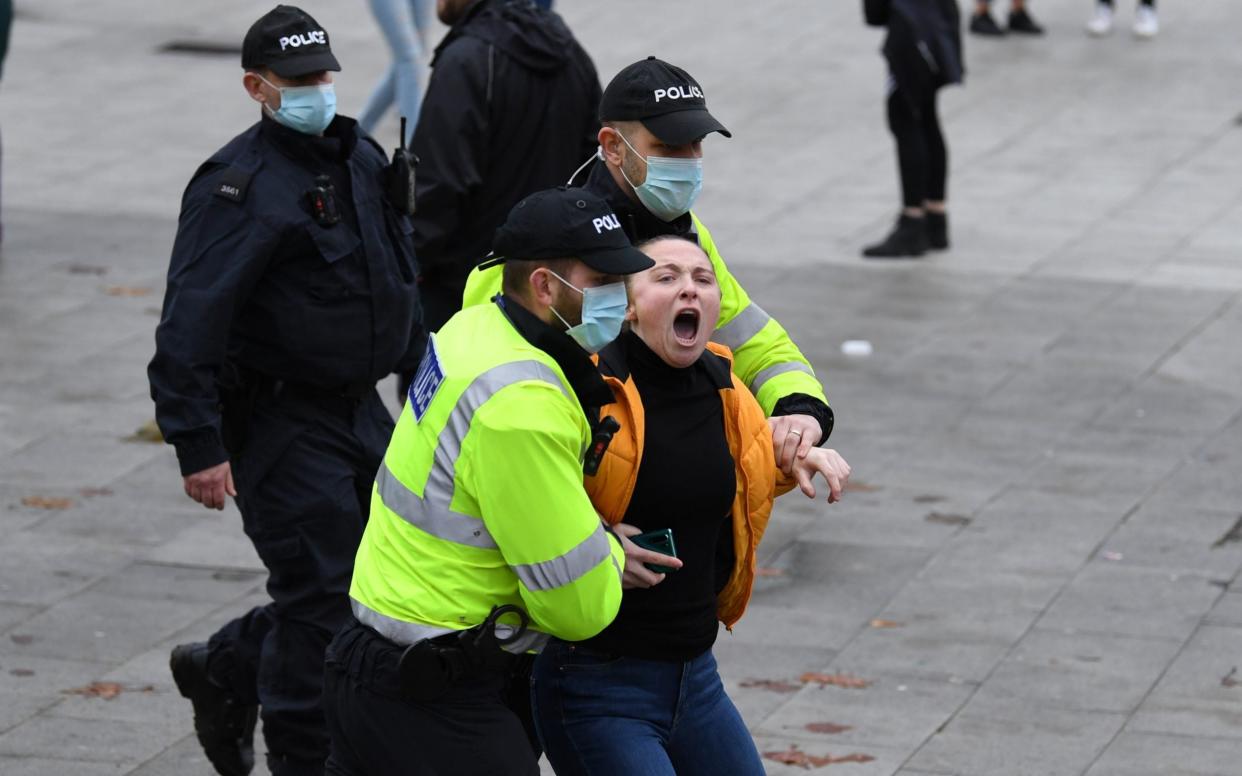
(983,24)
(1022,23)
(908,239)
(225,726)
(937,230)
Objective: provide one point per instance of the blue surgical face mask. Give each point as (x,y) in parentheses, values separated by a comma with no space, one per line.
(671,187)
(306,109)
(603,312)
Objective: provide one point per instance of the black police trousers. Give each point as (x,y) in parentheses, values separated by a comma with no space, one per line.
(470,730)
(304,483)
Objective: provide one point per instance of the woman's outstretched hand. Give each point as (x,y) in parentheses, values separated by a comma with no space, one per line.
(826,462)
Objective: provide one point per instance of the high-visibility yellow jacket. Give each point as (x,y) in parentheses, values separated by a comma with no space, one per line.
(764,357)
(479,501)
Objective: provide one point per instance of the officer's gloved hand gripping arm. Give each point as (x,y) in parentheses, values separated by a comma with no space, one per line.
(526,470)
(218,255)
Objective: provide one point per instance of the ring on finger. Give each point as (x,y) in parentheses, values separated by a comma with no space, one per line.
(795,432)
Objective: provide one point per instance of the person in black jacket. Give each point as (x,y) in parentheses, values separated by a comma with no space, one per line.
(924,53)
(509,110)
(291,290)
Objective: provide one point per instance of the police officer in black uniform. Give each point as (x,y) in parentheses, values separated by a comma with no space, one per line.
(291,291)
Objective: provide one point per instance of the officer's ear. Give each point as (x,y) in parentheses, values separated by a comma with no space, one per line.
(610,144)
(541,286)
(258,91)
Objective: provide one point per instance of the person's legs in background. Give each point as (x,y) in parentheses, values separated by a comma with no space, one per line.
(909,236)
(403,23)
(982,23)
(1020,20)
(1146,23)
(935,212)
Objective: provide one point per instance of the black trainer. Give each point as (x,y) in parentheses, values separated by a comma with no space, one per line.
(225,726)
(1020,22)
(937,230)
(984,24)
(907,240)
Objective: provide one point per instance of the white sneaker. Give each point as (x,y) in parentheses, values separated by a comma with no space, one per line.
(1146,25)
(1102,22)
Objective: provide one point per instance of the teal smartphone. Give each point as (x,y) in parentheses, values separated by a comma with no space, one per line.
(660,541)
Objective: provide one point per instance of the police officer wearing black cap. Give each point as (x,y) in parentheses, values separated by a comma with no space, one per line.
(291,291)
(655,119)
(481,542)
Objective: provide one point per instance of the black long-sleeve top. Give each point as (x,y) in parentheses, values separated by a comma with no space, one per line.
(686,482)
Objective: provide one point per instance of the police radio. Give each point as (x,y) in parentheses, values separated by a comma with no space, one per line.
(599,444)
(322,201)
(401,176)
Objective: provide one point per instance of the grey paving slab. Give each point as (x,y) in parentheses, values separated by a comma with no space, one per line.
(1167,404)
(123,743)
(894,713)
(1181,540)
(1109,598)
(186,757)
(883,762)
(1152,754)
(29,766)
(78,461)
(105,628)
(961,650)
(855,579)
(823,628)
(1018,742)
(211,539)
(1078,671)
(1228,610)
(1194,696)
(49,572)
(144,581)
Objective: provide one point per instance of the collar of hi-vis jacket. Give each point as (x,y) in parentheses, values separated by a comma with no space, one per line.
(581,373)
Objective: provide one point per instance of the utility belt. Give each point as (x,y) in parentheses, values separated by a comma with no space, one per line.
(430,667)
(426,670)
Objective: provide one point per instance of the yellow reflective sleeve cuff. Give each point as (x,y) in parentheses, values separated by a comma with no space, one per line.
(777,382)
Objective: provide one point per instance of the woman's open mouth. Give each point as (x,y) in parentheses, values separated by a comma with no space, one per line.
(686,327)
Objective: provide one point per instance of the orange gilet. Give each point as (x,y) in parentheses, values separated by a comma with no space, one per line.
(750,442)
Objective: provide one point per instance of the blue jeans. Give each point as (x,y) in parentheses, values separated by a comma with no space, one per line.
(404,23)
(601,714)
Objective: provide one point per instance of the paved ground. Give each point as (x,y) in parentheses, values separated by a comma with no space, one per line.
(1038,570)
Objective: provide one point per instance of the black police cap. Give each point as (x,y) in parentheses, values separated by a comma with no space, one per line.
(664,98)
(289,42)
(566,223)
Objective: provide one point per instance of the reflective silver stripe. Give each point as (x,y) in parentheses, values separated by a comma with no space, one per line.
(431,512)
(440,522)
(744,325)
(397,631)
(779,369)
(407,633)
(530,641)
(563,570)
